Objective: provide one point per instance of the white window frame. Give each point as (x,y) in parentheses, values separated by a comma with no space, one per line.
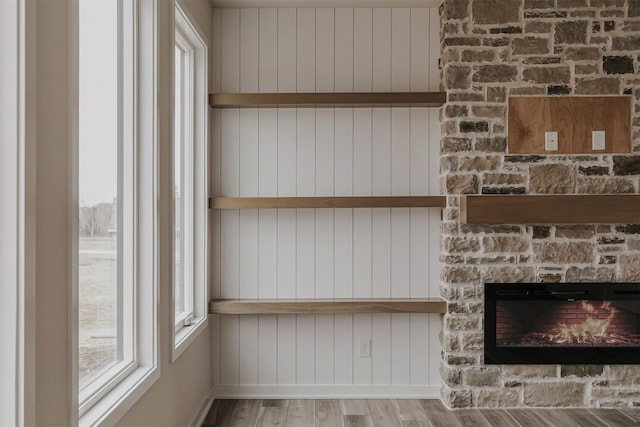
(17,220)
(192,40)
(108,398)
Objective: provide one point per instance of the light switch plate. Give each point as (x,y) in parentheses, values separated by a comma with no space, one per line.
(551,141)
(598,140)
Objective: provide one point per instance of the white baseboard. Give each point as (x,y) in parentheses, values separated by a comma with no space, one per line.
(201,415)
(326,391)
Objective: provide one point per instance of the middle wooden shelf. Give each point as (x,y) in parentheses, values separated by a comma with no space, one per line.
(327,202)
(327,306)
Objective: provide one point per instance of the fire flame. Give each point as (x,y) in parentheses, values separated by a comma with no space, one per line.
(593,329)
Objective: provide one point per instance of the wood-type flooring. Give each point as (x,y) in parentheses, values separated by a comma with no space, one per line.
(403,413)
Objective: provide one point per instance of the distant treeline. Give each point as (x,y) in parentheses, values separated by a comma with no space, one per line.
(95,221)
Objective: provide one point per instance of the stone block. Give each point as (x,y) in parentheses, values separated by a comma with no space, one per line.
(546,75)
(633,244)
(457,398)
(460,244)
(537,27)
(508,244)
(459,275)
(496,11)
(491,145)
(628,229)
(457,77)
(513,29)
(494,73)
(460,41)
(457,359)
(497,398)
(634,9)
(456,110)
(472,341)
(597,86)
(626,165)
(454,145)
(450,376)
(530,46)
(485,55)
(629,43)
(497,94)
(461,323)
(581,370)
(540,231)
(552,179)
(563,253)
(624,375)
(582,69)
(529,371)
(502,179)
(602,185)
(593,170)
(571,4)
(509,274)
(629,268)
(575,231)
(582,54)
(477,163)
(554,394)
(489,111)
(618,65)
(455,9)
(474,126)
(558,90)
(590,274)
(571,32)
(448,164)
(482,377)
(462,184)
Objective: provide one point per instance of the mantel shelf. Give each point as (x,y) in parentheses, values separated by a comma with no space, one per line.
(550,209)
(327,202)
(327,306)
(333,99)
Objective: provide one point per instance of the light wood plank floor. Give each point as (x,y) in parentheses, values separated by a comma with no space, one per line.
(402,413)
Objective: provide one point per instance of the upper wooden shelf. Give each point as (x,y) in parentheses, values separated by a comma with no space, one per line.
(550,209)
(327,306)
(333,99)
(326,202)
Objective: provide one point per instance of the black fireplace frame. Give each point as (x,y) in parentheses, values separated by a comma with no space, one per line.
(494,354)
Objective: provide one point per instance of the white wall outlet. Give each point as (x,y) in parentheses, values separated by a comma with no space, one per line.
(551,141)
(364,348)
(598,140)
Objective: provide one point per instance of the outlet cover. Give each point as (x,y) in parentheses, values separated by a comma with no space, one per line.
(364,348)
(598,140)
(551,141)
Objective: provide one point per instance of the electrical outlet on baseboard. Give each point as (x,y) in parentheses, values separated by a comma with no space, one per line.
(364,348)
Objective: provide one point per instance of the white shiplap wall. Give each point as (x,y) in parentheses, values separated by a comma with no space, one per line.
(325,253)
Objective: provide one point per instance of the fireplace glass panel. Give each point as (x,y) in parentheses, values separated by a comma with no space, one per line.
(596,323)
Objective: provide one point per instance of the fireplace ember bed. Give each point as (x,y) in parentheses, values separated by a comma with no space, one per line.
(573,323)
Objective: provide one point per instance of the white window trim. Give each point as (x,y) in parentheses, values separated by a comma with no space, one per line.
(17,218)
(114,403)
(184,336)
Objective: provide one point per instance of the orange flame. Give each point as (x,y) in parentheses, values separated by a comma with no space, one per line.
(593,329)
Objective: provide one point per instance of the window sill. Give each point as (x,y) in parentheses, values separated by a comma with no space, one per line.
(185,336)
(121,398)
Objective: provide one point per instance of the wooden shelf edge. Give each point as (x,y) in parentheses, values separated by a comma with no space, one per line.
(326,202)
(333,99)
(327,306)
(550,209)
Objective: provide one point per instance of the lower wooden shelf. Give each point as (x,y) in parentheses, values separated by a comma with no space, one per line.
(327,202)
(551,209)
(327,306)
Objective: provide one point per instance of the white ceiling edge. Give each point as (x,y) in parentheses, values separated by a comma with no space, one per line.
(326,3)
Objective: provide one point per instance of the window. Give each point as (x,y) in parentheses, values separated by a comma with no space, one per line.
(116,185)
(189,181)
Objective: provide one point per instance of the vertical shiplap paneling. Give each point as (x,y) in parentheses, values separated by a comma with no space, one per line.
(343,178)
(435,321)
(307,152)
(249,187)
(400,185)
(267,187)
(325,123)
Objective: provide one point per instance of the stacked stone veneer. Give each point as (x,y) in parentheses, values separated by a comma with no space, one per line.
(492,49)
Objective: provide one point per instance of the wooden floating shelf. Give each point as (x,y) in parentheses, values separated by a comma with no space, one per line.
(550,209)
(326,202)
(344,99)
(327,306)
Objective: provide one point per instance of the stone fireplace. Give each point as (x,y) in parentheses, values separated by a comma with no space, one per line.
(491,50)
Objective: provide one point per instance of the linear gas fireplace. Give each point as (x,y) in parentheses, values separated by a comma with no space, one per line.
(575,323)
